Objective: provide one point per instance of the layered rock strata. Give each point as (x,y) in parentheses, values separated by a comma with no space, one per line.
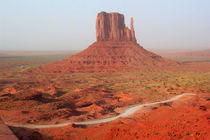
(116,50)
(111,27)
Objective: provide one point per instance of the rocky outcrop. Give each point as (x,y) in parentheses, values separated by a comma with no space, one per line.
(111,27)
(115,50)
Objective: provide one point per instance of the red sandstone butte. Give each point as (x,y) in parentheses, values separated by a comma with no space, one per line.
(115,50)
(111,27)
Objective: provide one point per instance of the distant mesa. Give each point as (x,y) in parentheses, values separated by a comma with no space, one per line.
(115,50)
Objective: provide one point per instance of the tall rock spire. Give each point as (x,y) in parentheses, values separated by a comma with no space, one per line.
(111,27)
(133,38)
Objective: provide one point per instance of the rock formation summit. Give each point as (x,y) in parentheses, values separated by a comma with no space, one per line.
(111,27)
(115,50)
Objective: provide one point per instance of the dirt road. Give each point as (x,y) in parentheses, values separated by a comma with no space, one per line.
(129,111)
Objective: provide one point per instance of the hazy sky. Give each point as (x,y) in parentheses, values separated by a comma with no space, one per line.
(70,24)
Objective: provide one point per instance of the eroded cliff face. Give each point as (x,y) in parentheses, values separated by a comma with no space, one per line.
(111,27)
(116,50)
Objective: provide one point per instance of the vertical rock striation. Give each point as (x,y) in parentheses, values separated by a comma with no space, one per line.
(133,38)
(111,27)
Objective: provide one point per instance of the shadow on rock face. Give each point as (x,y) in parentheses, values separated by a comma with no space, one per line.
(202,108)
(166,104)
(34,136)
(79,126)
(27,134)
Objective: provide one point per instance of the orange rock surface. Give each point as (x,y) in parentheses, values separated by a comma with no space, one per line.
(111,27)
(115,50)
(109,56)
(186,118)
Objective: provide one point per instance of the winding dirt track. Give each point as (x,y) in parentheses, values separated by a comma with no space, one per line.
(129,111)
